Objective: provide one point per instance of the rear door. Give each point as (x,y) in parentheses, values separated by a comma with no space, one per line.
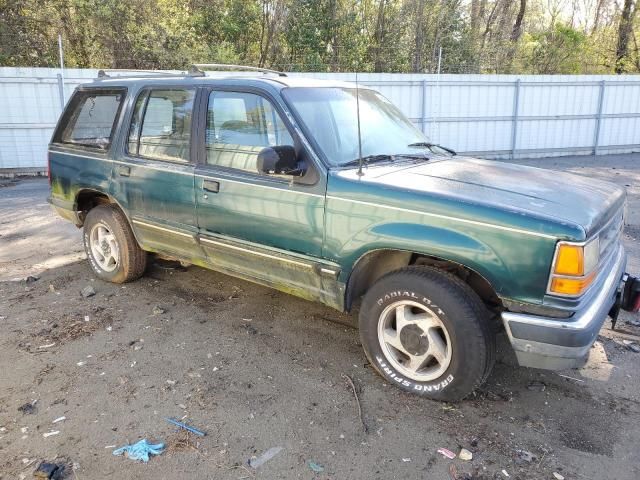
(265,227)
(153,178)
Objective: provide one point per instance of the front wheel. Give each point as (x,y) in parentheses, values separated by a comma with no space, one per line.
(112,250)
(427,332)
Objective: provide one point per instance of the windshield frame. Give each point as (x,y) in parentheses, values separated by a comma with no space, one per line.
(309,135)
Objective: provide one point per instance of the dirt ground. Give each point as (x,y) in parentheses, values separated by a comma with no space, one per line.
(256,369)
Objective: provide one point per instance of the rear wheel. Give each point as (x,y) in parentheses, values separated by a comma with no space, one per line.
(427,332)
(112,250)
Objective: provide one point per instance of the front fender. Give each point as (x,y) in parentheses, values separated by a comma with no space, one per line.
(516,268)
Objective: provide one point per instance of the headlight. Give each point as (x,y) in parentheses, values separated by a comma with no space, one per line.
(574,267)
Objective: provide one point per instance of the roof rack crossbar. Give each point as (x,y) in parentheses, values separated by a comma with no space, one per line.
(198,68)
(104,73)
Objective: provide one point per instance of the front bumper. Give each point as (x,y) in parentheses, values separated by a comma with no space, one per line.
(557,344)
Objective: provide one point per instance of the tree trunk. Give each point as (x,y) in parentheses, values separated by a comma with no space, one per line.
(624,33)
(596,20)
(379,63)
(418,56)
(517,26)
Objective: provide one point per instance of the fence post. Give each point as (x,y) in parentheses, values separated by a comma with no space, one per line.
(514,125)
(424,106)
(596,133)
(61,90)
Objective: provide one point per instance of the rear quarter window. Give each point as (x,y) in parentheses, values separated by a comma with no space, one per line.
(90,119)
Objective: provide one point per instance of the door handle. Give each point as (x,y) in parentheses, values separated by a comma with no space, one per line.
(211,186)
(124,171)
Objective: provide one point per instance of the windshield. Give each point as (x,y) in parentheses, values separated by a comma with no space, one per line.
(330,115)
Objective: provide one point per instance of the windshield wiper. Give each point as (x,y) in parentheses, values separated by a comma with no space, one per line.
(366,160)
(432,146)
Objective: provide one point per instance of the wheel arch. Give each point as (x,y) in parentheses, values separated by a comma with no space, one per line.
(374,264)
(89,198)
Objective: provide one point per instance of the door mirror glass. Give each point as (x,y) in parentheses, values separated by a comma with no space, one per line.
(279,160)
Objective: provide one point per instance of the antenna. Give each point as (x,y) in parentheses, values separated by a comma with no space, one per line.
(359,133)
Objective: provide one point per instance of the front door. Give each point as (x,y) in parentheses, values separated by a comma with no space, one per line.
(268,228)
(153,179)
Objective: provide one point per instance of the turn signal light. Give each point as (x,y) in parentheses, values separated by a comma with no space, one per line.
(574,267)
(569,260)
(571,286)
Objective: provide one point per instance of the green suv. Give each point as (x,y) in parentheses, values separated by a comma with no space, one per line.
(325,190)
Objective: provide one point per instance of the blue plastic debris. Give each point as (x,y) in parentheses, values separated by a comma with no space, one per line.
(140,450)
(185,426)
(316,467)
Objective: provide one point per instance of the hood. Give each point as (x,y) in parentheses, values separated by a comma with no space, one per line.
(564,197)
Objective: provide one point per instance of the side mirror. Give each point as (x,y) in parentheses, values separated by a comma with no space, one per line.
(281,160)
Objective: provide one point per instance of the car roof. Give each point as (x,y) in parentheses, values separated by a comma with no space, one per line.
(270,81)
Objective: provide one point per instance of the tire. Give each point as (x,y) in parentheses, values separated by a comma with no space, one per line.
(112,250)
(444,348)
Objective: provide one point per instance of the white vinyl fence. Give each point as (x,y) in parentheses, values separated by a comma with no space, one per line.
(492,116)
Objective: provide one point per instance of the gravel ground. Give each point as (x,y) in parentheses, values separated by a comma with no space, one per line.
(257,369)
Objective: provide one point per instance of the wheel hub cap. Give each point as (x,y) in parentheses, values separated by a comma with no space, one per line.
(104,248)
(414,340)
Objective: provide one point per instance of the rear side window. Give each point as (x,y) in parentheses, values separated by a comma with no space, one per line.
(90,119)
(161,125)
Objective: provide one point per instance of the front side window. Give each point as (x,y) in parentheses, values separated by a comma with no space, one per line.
(239,126)
(161,125)
(90,119)
(331,115)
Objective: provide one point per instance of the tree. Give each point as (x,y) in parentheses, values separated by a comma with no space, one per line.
(625,30)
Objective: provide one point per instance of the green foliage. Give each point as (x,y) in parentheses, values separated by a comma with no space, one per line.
(560,49)
(476,36)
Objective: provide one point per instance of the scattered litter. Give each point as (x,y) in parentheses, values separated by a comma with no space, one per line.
(447,453)
(48,345)
(31,279)
(80,364)
(465,455)
(571,378)
(59,419)
(109,328)
(88,291)
(50,471)
(255,462)
(24,429)
(537,386)
(171,382)
(635,323)
(50,434)
(28,408)
(523,456)
(557,476)
(504,472)
(52,289)
(110,446)
(406,460)
(316,467)
(634,347)
(158,310)
(86,318)
(140,450)
(186,427)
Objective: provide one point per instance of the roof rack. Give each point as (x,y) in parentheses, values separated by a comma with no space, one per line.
(148,73)
(198,68)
